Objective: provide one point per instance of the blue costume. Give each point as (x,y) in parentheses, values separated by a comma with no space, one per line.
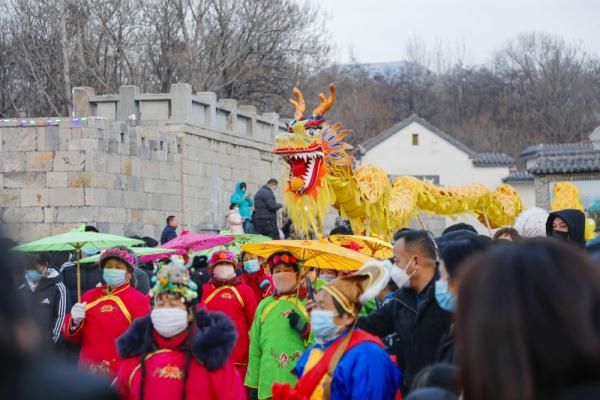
(364,372)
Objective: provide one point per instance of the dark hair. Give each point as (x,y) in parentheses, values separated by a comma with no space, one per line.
(170,218)
(243,185)
(232,206)
(90,228)
(507,231)
(456,252)
(341,230)
(528,321)
(272,181)
(461,226)
(401,232)
(422,242)
(42,257)
(442,376)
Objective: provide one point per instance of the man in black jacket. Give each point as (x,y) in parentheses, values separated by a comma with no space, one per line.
(567,224)
(170,231)
(265,210)
(413,313)
(47,295)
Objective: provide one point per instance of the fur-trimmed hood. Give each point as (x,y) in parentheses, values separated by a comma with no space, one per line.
(211,346)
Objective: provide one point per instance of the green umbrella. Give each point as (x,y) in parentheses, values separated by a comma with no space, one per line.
(234,246)
(138,251)
(77,239)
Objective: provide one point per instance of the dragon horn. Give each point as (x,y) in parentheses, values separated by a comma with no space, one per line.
(326,103)
(298,104)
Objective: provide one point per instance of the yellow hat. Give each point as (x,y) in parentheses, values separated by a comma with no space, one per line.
(351,292)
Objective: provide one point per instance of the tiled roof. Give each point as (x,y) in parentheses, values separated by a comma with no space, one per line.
(518,176)
(479,159)
(565,164)
(549,149)
(493,159)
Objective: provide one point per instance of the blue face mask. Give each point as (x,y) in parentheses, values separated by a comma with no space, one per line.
(251,266)
(445,299)
(88,252)
(323,327)
(114,277)
(34,275)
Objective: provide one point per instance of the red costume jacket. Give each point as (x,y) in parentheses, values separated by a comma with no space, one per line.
(108,315)
(255,279)
(237,301)
(211,373)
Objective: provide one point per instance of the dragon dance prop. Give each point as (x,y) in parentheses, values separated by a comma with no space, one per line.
(566,195)
(321,175)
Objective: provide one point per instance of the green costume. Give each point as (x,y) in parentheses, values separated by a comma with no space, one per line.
(274,346)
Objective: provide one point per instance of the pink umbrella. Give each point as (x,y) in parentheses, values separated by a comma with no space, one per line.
(159,256)
(196,241)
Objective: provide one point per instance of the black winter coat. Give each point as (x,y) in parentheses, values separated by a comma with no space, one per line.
(575,220)
(419,329)
(265,205)
(49,304)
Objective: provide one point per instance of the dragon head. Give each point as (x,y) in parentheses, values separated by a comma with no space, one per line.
(311,145)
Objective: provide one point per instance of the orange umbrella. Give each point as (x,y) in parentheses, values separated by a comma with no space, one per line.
(364,244)
(313,253)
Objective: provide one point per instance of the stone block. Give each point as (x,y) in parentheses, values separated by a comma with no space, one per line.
(105,180)
(20,139)
(113,163)
(80,180)
(50,214)
(69,161)
(112,214)
(57,229)
(151,169)
(12,161)
(24,179)
(39,161)
(23,214)
(31,197)
(83,215)
(154,201)
(10,197)
(51,138)
(135,199)
(135,216)
(153,185)
(135,184)
(170,171)
(67,196)
(33,231)
(56,179)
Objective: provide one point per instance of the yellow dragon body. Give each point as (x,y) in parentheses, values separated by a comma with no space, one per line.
(321,175)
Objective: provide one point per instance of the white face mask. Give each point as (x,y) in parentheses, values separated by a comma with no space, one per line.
(169,321)
(224,272)
(399,275)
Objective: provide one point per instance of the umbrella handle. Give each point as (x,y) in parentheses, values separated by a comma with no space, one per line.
(78,276)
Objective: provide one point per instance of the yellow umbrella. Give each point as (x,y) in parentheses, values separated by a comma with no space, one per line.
(313,253)
(367,245)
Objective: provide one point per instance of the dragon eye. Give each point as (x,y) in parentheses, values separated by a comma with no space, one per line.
(312,132)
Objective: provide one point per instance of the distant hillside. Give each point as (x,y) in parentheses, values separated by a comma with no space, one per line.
(388,68)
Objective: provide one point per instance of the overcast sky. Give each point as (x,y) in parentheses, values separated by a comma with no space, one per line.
(377,30)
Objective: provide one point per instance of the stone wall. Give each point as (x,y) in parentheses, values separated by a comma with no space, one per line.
(125,162)
(543,185)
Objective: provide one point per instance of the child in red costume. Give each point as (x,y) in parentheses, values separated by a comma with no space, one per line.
(105,313)
(256,276)
(226,293)
(178,353)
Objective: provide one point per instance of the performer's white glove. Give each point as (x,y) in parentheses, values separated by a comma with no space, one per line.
(78,313)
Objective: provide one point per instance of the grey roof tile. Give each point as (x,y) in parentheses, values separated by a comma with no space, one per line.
(518,176)
(555,149)
(493,159)
(566,163)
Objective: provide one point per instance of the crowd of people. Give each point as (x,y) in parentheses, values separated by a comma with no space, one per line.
(461,315)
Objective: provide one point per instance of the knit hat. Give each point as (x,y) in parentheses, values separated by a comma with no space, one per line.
(121,254)
(174,278)
(532,222)
(222,257)
(352,291)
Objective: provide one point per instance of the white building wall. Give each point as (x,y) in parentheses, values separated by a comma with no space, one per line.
(432,156)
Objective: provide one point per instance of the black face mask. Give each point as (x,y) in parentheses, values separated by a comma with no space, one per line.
(560,234)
